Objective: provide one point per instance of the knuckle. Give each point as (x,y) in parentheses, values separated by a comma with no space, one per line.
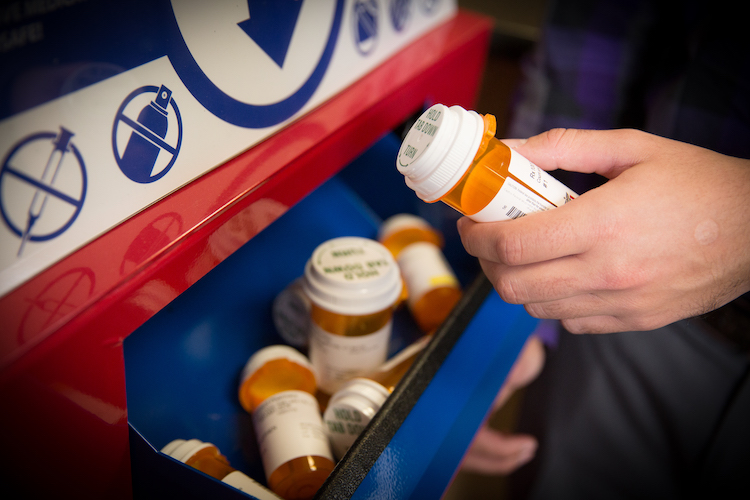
(616,277)
(562,137)
(538,310)
(643,323)
(510,249)
(583,325)
(509,290)
(612,280)
(640,325)
(555,135)
(573,325)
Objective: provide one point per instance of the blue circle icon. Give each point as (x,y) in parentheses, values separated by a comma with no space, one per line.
(365,25)
(147,134)
(260,68)
(42,186)
(428,6)
(400,13)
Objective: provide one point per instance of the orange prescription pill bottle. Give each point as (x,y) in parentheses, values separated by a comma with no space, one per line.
(277,388)
(401,230)
(354,405)
(353,284)
(206,458)
(433,289)
(451,154)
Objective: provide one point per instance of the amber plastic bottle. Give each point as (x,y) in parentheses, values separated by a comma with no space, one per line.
(433,289)
(390,373)
(354,405)
(466,167)
(206,458)
(401,230)
(353,284)
(277,388)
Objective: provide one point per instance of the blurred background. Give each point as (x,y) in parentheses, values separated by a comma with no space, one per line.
(517,27)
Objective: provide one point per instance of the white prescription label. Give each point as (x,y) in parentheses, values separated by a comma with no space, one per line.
(515,200)
(538,179)
(247,484)
(338,358)
(345,424)
(289,425)
(424,268)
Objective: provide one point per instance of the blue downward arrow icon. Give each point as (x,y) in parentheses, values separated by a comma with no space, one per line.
(271,25)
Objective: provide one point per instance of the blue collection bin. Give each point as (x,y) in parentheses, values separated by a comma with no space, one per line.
(183,365)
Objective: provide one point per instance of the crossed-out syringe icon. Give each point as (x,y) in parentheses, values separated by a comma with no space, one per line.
(49,175)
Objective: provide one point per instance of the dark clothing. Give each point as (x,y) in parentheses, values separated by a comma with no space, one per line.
(662,414)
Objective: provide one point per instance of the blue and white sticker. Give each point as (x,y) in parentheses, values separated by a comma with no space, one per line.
(147,134)
(365,24)
(400,13)
(179,88)
(254,64)
(42,186)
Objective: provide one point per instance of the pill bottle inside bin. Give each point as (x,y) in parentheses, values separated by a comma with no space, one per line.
(353,284)
(401,230)
(451,154)
(206,458)
(277,388)
(354,405)
(291,315)
(432,287)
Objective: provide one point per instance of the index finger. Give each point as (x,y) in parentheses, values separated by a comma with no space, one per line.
(605,152)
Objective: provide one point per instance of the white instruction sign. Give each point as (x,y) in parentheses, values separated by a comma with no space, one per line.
(175,89)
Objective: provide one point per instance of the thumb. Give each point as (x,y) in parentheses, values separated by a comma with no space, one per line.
(605,152)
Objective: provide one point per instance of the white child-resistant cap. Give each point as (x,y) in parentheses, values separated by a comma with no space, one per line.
(352,276)
(350,410)
(269,353)
(438,149)
(182,450)
(398,222)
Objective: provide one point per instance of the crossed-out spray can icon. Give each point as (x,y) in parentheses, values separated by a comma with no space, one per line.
(139,157)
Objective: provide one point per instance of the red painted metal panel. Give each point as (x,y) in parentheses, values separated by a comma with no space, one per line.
(62,378)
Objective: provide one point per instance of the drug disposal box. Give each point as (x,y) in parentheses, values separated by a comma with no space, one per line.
(146,144)
(108,107)
(183,365)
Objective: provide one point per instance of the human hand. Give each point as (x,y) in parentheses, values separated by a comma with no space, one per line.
(666,238)
(493,452)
